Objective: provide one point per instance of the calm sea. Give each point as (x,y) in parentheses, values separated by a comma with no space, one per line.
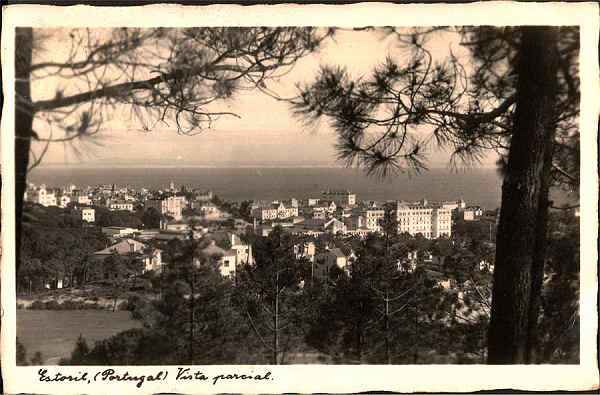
(476,186)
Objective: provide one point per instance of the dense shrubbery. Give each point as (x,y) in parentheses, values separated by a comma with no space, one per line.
(41,262)
(106,217)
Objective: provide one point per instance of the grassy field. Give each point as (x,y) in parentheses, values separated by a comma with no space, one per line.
(54,333)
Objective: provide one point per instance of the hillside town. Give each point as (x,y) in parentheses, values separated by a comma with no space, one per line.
(187,213)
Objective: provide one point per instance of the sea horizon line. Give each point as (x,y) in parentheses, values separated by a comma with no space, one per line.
(248,166)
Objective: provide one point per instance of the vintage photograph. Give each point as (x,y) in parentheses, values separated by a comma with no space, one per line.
(297,195)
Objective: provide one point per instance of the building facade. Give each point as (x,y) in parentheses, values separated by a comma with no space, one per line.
(88,214)
(472,213)
(373,217)
(274,211)
(120,205)
(43,196)
(171,205)
(431,221)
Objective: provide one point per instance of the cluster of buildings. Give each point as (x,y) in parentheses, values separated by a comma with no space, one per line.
(131,244)
(342,258)
(171,201)
(339,212)
(336,212)
(60,197)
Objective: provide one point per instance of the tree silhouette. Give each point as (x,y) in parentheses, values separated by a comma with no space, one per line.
(519,98)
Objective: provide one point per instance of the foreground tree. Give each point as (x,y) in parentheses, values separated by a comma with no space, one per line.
(522,233)
(520,98)
(268,293)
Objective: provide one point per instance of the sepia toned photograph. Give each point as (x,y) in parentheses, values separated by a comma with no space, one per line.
(295,195)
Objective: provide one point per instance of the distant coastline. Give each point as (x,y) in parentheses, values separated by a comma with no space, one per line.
(476,186)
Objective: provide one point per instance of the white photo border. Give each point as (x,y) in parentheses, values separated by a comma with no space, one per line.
(323,378)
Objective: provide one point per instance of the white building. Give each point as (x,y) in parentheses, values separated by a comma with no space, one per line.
(172,205)
(335,226)
(44,197)
(88,214)
(64,201)
(373,217)
(441,222)
(151,257)
(429,221)
(228,260)
(472,213)
(207,208)
(305,250)
(274,211)
(177,227)
(324,209)
(120,205)
(83,199)
(118,231)
(312,202)
(454,205)
(243,251)
(153,260)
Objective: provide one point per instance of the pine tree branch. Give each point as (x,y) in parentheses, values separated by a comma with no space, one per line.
(563,172)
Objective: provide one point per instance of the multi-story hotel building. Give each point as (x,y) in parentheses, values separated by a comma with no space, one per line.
(172,205)
(431,221)
(441,222)
(373,217)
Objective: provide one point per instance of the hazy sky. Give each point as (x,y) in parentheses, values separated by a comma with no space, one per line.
(266,133)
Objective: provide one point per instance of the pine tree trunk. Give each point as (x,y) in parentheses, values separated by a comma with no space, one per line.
(521,239)
(23,125)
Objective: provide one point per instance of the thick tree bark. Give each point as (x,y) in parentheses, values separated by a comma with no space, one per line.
(23,126)
(521,239)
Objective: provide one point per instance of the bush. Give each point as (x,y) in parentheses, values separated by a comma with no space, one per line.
(70,305)
(138,306)
(141,285)
(53,305)
(37,305)
(37,359)
(79,354)
(130,347)
(21,354)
